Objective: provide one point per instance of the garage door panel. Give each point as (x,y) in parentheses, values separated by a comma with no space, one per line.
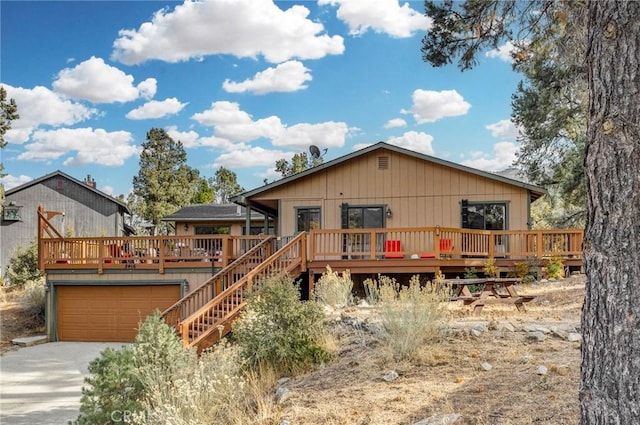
(108,313)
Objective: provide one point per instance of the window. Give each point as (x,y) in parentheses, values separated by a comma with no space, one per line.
(307,219)
(212,230)
(484,215)
(258,230)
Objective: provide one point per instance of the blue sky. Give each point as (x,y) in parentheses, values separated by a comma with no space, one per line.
(242,83)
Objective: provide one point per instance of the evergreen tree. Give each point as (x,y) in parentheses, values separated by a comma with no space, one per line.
(8,113)
(611,313)
(225,185)
(165,182)
(299,162)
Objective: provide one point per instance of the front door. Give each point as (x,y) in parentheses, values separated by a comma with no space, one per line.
(362,217)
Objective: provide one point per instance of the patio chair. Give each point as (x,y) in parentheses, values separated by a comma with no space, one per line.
(392,249)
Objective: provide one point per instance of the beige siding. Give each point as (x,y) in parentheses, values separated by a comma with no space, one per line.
(419,192)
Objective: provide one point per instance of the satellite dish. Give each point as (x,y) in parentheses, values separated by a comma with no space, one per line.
(315,152)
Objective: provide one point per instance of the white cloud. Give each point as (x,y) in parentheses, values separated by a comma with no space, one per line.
(250,157)
(108,190)
(324,135)
(430,106)
(9,181)
(148,88)
(232,124)
(40,106)
(97,146)
(286,77)
(383,16)
(502,52)
(243,28)
(97,82)
(503,156)
(156,109)
(359,146)
(395,123)
(189,139)
(503,129)
(415,141)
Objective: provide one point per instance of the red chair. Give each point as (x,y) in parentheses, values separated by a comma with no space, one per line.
(446,246)
(392,249)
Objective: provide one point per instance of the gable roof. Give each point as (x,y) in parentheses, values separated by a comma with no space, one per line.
(59,173)
(212,212)
(536,191)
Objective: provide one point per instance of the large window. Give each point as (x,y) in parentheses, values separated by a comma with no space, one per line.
(212,230)
(258,230)
(484,215)
(308,218)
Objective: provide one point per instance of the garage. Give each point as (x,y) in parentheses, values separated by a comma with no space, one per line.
(108,313)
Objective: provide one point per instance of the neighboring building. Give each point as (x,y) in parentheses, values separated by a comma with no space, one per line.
(387,186)
(87,212)
(213,219)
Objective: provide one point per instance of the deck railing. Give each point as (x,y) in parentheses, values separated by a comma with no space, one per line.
(443,242)
(152,252)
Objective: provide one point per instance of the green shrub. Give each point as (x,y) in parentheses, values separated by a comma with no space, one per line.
(280,331)
(334,290)
(121,380)
(526,270)
(411,315)
(470,273)
(33,299)
(23,266)
(555,268)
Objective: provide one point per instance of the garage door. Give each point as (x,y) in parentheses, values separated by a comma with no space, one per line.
(109,313)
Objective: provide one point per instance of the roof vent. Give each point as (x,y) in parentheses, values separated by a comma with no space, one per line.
(383,163)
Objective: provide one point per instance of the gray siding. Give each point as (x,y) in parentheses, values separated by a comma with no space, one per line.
(87,213)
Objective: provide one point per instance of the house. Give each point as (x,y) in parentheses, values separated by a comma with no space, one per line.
(382,209)
(81,209)
(217,219)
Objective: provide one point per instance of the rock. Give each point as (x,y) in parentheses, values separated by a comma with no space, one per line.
(524,359)
(448,419)
(536,336)
(363,304)
(493,325)
(282,394)
(506,327)
(541,370)
(283,380)
(285,422)
(574,337)
(475,332)
(391,376)
(486,366)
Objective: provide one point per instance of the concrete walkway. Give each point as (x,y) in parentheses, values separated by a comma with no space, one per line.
(42,384)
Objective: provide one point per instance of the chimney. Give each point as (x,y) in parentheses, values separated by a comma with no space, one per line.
(90,182)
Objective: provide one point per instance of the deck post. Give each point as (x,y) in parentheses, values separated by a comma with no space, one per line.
(311,283)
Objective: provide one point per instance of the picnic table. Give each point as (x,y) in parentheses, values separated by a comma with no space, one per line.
(493,290)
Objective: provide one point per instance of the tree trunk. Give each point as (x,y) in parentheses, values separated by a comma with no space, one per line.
(610,374)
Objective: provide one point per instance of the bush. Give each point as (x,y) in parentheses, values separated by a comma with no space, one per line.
(555,268)
(526,270)
(23,266)
(411,315)
(277,330)
(121,380)
(490,268)
(334,290)
(33,299)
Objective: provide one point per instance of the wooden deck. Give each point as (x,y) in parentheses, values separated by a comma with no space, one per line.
(417,250)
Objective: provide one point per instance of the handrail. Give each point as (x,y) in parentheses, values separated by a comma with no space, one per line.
(217,313)
(218,282)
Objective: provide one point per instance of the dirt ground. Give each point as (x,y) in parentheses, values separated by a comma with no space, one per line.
(448,376)
(14,322)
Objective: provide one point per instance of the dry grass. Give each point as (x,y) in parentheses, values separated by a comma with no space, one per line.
(446,376)
(14,320)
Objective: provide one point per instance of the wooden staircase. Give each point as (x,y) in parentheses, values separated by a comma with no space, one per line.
(204,316)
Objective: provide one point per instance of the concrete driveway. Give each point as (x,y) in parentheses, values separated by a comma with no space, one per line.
(42,384)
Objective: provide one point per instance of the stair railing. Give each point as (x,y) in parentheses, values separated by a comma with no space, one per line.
(211,322)
(218,282)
